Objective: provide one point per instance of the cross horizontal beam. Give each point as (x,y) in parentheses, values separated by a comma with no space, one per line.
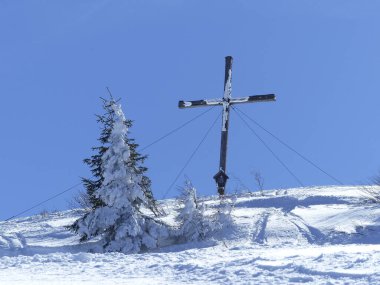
(253,99)
(199,103)
(213,102)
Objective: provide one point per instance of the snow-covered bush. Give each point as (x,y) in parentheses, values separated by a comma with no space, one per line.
(372,193)
(117,217)
(194,224)
(80,200)
(223,218)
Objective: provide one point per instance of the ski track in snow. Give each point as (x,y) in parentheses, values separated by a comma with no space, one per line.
(315,235)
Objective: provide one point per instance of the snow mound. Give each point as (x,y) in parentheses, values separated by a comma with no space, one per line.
(320,235)
(12,242)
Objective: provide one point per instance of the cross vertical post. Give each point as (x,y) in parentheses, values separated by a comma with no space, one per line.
(221,177)
(227,100)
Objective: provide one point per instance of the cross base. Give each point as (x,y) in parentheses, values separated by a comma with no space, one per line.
(221,180)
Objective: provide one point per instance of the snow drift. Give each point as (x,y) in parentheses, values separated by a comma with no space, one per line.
(328,235)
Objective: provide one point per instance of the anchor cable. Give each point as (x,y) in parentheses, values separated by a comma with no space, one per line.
(177,129)
(43,202)
(76,185)
(191,157)
(269,149)
(289,147)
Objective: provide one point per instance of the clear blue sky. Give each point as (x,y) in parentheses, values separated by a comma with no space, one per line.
(321,58)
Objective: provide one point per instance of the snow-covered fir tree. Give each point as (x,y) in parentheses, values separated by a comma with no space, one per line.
(194,225)
(118,194)
(107,121)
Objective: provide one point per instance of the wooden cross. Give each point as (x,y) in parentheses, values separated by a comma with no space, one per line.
(221,177)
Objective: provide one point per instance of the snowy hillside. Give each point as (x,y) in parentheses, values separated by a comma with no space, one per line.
(318,235)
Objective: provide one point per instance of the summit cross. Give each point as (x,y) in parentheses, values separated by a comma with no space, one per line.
(221,177)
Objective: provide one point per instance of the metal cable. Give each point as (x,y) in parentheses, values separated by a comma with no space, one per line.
(191,157)
(289,147)
(47,200)
(178,128)
(270,150)
(76,185)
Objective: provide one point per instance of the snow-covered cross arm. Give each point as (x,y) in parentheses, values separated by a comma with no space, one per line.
(199,103)
(213,102)
(253,99)
(227,100)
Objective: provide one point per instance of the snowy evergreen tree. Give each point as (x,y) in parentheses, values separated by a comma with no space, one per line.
(194,225)
(107,121)
(119,195)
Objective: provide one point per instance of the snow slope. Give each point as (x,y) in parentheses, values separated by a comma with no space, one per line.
(320,235)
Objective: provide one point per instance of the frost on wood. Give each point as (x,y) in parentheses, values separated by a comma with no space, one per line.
(119,221)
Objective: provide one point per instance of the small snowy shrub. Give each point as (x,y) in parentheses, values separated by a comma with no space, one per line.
(44,213)
(371,194)
(80,200)
(223,218)
(120,197)
(194,225)
(259,182)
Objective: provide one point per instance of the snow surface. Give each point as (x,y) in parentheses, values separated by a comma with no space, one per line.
(320,235)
